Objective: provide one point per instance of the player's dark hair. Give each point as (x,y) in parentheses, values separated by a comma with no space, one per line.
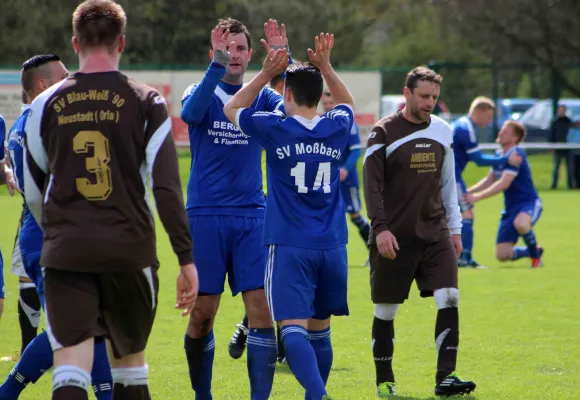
(276,80)
(422,74)
(305,83)
(235,28)
(99,23)
(518,128)
(30,67)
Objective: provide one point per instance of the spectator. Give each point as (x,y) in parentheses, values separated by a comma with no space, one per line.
(559,134)
(574,155)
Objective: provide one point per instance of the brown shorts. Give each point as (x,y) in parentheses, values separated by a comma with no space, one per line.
(433,266)
(119,306)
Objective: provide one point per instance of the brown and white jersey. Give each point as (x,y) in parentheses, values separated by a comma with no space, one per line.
(92,141)
(409,180)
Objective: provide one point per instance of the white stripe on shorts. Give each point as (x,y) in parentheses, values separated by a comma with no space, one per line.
(268,278)
(149,276)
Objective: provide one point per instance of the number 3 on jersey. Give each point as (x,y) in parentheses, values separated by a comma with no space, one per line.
(97,165)
(322,177)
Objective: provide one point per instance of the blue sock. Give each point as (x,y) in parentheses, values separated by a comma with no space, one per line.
(364,228)
(467,239)
(302,360)
(35,361)
(101,377)
(262,353)
(320,341)
(200,354)
(520,252)
(531,244)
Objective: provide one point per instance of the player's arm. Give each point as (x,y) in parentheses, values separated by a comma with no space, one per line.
(197,98)
(35,160)
(275,39)
(374,178)
(484,183)
(449,193)
(162,166)
(274,63)
(499,186)
(321,58)
(468,141)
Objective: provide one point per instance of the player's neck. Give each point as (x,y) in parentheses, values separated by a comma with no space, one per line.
(233,79)
(308,113)
(508,147)
(98,61)
(408,115)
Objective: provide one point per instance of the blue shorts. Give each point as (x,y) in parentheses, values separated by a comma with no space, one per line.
(461,190)
(1,276)
(351,197)
(306,283)
(507,232)
(31,262)
(232,245)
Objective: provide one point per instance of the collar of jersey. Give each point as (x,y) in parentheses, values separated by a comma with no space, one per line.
(308,123)
(24,107)
(228,88)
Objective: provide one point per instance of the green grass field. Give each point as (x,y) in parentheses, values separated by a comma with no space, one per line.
(519,327)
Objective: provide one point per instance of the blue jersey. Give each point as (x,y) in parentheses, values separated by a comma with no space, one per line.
(226,164)
(464,143)
(522,189)
(304,208)
(30,233)
(352,145)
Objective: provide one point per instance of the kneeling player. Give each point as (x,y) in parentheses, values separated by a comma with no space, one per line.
(305,226)
(522,203)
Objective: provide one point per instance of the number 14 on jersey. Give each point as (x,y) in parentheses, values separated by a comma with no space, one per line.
(322,177)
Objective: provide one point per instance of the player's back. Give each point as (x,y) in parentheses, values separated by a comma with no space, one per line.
(101,133)
(304,206)
(522,189)
(464,143)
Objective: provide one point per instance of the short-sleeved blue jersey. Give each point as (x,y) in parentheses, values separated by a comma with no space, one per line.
(522,189)
(353,144)
(464,143)
(304,207)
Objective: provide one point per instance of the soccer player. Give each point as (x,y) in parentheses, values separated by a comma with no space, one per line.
(239,339)
(305,226)
(28,301)
(92,141)
(349,185)
(522,205)
(411,199)
(225,205)
(38,74)
(466,148)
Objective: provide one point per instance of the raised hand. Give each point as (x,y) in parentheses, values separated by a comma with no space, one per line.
(323,44)
(219,44)
(276,62)
(275,36)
